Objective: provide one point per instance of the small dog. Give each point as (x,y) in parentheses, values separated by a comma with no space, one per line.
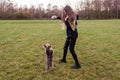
(49,55)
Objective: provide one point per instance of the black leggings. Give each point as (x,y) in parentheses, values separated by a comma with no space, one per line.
(70,42)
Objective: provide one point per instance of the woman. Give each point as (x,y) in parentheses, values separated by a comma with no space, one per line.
(69,18)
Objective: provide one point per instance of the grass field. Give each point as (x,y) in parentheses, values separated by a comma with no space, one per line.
(22,55)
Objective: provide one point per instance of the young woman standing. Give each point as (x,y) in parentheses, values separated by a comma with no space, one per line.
(69,18)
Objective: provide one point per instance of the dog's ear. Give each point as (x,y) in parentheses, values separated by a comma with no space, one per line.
(44,46)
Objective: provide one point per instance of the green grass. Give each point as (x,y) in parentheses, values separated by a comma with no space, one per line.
(22,55)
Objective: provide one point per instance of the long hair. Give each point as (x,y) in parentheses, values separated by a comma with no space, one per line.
(70,14)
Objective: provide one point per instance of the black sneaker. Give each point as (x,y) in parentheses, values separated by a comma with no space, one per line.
(76,66)
(62,61)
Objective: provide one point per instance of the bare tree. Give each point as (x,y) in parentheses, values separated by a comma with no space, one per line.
(86,9)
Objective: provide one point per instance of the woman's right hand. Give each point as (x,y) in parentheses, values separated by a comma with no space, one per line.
(54,17)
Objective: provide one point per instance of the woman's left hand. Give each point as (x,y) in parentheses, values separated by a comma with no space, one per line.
(54,17)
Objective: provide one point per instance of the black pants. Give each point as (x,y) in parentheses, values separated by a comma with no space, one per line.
(70,42)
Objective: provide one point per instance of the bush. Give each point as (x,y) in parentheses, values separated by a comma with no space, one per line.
(19,16)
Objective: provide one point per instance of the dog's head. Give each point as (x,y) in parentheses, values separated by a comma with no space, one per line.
(47,46)
(48,49)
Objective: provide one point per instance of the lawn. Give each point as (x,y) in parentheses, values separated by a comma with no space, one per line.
(22,55)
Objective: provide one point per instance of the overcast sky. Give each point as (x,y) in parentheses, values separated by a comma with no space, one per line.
(59,3)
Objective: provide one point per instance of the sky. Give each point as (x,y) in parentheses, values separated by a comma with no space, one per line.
(59,3)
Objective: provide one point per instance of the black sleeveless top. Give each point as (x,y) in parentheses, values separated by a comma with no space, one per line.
(69,31)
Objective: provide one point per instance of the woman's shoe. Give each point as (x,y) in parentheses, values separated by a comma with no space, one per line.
(62,61)
(76,66)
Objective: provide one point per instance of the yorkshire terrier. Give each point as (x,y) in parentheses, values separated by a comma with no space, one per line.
(49,56)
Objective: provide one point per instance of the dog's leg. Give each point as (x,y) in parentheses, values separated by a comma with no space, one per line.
(51,62)
(47,64)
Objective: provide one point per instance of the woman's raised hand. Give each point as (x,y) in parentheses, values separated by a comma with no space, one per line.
(54,17)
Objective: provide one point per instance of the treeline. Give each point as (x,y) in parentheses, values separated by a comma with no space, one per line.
(99,9)
(88,9)
(8,10)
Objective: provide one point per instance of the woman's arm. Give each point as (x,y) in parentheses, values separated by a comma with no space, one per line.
(77,16)
(59,18)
